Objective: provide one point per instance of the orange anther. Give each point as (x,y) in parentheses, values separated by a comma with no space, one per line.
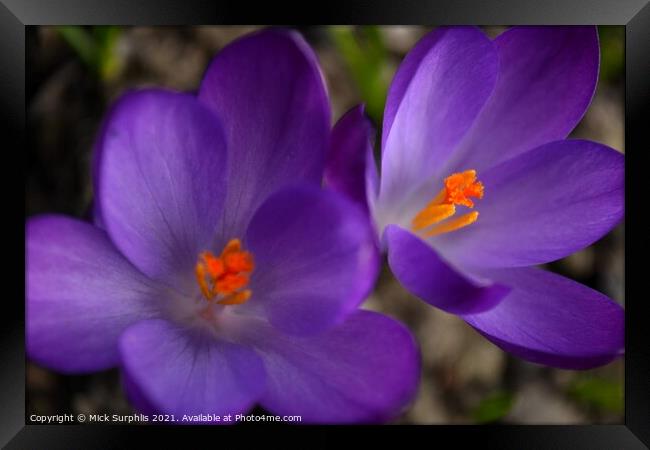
(229,283)
(213,265)
(236,299)
(200,278)
(238,262)
(233,245)
(459,187)
(225,276)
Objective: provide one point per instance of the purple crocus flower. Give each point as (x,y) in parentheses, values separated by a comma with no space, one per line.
(478,184)
(221,275)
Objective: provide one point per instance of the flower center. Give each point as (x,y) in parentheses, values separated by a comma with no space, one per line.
(458,190)
(223,278)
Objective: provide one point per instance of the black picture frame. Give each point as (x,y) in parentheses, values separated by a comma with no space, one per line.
(15,15)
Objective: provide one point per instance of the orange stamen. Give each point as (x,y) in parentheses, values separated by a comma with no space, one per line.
(233,245)
(200,277)
(453,224)
(223,277)
(432,214)
(459,189)
(460,186)
(238,262)
(237,298)
(213,265)
(229,283)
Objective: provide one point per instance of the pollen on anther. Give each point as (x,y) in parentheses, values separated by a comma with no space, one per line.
(438,215)
(224,277)
(238,262)
(461,186)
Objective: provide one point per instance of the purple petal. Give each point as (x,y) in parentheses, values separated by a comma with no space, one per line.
(403,77)
(269,92)
(136,398)
(364,370)
(551,320)
(315,258)
(349,154)
(175,370)
(372,181)
(161,180)
(433,101)
(80,295)
(541,206)
(423,273)
(547,77)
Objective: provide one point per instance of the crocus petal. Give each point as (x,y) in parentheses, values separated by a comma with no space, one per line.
(364,370)
(547,77)
(135,396)
(541,206)
(552,320)
(372,181)
(350,151)
(439,95)
(176,370)
(425,274)
(81,293)
(315,258)
(403,77)
(269,92)
(161,180)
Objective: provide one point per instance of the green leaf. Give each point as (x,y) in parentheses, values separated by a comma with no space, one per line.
(612,53)
(599,393)
(95,47)
(366,58)
(82,42)
(109,62)
(493,407)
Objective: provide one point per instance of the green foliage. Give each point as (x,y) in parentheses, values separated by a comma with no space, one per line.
(598,393)
(493,407)
(612,53)
(95,46)
(366,57)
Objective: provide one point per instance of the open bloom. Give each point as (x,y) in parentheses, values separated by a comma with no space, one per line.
(478,183)
(221,275)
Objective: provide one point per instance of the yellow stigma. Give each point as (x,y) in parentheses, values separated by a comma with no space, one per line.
(223,278)
(459,189)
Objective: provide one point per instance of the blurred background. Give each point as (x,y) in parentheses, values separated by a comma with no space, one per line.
(74,73)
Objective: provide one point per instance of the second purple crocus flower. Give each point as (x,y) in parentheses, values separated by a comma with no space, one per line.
(221,275)
(478,184)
